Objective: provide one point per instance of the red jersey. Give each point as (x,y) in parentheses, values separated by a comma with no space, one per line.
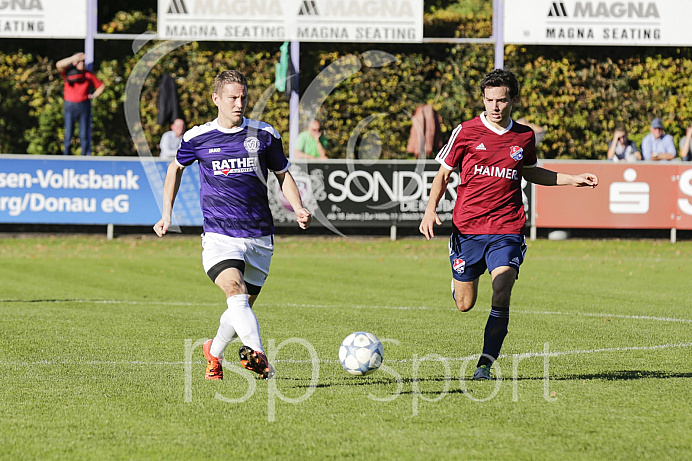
(78,90)
(491,161)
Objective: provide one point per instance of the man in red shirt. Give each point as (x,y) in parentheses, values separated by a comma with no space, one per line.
(81,86)
(493,153)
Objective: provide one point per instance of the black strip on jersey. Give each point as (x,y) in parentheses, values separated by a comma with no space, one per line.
(223,265)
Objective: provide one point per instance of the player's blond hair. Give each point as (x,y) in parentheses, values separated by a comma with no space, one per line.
(228,76)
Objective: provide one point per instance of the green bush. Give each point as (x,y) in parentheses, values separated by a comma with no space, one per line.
(579,94)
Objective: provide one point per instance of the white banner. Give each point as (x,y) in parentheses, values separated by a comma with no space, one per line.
(609,23)
(372,21)
(43,18)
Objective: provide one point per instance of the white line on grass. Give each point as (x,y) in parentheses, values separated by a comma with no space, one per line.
(520,356)
(524,355)
(331,306)
(617,316)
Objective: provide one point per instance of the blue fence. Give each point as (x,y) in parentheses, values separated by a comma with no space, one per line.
(78,190)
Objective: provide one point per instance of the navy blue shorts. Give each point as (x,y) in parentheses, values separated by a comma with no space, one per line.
(471,255)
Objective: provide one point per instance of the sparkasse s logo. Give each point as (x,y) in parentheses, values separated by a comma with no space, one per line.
(605,9)
(177,7)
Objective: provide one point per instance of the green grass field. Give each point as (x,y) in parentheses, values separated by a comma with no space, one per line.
(100,354)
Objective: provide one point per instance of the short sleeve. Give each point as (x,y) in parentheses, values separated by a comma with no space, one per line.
(530,158)
(276,159)
(452,153)
(94,80)
(186,153)
(301,141)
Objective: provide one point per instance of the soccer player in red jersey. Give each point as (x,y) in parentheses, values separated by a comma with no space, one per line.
(492,153)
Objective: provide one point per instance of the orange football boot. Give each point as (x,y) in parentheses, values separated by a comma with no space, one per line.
(214,369)
(255,361)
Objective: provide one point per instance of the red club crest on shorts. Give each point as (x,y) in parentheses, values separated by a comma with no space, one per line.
(458,266)
(516,152)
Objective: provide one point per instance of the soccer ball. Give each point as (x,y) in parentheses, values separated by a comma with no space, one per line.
(361,353)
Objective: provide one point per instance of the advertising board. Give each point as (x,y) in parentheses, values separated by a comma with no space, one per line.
(629,196)
(372,21)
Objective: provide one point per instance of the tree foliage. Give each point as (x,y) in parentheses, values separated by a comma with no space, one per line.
(578,94)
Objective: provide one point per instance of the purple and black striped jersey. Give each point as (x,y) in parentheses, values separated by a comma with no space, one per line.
(233,167)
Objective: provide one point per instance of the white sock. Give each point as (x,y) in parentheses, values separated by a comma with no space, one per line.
(224,335)
(239,318)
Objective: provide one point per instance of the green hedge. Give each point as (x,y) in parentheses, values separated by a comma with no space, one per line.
(579,94)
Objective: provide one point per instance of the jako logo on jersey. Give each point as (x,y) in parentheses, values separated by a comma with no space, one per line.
(481,146)
(516,152)
(252,145)
(214,150)
(233,165)
(459,265)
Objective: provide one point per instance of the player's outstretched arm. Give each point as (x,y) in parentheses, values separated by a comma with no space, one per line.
(290,191)
(581,180)
(170,190)
(430,218)
(544,177)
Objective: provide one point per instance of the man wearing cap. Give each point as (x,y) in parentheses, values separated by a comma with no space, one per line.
(657,145)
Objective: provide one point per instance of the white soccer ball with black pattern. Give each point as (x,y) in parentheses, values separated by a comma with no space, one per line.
(361,353)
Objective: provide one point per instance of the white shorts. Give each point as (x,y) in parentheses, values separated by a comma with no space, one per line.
(256,252)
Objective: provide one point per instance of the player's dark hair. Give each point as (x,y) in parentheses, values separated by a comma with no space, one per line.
(501,78)
(226,77)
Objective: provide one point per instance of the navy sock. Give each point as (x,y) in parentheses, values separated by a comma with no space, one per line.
(495,332)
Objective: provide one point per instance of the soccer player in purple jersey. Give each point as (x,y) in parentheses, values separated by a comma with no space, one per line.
(492,153)
(234,156)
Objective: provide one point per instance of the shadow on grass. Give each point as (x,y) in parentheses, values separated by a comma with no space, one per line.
(373,381)
(612,375)
(46,300)
(626,375)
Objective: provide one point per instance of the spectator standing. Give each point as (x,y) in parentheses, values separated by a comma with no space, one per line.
(623,149)
(81,86)
(657,145)
(170,140)
(686,145)
(426,132)
(312,143)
